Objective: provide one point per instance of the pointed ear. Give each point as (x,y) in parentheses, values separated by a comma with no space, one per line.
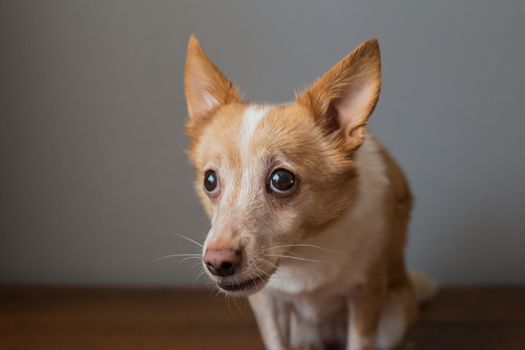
(205,86)
(344,97)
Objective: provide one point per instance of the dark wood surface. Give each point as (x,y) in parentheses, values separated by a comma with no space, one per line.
(149,319)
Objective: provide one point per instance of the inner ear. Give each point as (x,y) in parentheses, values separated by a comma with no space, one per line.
(358,103)
(331,123)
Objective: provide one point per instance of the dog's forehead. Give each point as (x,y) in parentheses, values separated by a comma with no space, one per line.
(216,141)
(239,132)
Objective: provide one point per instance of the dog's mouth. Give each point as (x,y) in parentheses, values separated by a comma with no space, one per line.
(245,287)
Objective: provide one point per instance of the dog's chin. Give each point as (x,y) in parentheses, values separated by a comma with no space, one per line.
(240,288)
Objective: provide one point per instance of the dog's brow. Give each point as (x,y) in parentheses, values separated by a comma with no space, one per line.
(249,122)
(251,118)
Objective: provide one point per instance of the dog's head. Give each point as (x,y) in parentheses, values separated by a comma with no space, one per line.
(269,175)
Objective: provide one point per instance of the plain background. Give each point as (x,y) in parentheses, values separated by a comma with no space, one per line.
(94,178)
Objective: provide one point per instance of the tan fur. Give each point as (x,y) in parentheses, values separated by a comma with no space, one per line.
(202,78)
(325,96)
(350,195)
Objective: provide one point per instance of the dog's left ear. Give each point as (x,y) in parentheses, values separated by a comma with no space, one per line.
(344,97)
(206,87)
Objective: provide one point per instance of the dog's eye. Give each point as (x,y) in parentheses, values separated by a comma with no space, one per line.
(211,182)
(281,181)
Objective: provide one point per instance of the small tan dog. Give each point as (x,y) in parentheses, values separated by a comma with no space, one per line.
(309,212)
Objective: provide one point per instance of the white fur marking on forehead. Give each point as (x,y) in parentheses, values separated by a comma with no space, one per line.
(247,191)
(251,118)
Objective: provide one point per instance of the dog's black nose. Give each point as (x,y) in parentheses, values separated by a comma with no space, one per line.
(222,262)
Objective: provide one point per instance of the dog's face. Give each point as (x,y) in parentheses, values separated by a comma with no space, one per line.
(270,175)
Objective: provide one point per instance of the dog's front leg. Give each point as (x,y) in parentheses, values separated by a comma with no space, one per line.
(273,319)
(365,306)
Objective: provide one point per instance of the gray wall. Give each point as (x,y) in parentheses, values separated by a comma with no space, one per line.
(94,179)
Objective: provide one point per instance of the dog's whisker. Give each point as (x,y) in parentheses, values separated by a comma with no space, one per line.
(188,239)
(259,277)
(293,257)
(304,245)
(266,262)
(237,305)
(198,276)
(229,306)
(177,256)
(262,271)
(199,264)
(266,273)
(189,258)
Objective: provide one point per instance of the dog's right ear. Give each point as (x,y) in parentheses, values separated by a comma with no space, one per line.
(205,86)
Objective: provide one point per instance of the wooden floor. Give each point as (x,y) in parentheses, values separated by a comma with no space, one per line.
(150,319)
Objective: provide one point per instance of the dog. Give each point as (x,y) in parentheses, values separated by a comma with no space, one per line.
(309,212)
